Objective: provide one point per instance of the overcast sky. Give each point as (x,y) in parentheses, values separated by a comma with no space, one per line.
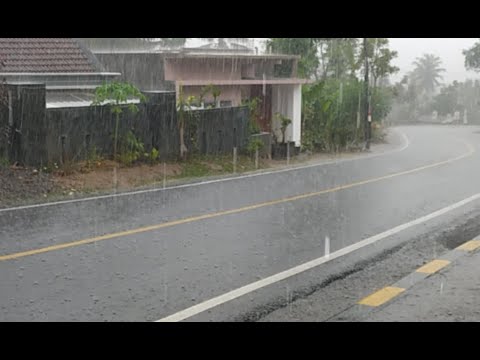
(448,49)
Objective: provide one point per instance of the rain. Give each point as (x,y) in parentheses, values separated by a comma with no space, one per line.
(239,179)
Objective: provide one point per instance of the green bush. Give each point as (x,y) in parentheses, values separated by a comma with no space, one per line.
(93,157)
(131,149)
(4,162)
(329,113)
(152,157)
(254,144)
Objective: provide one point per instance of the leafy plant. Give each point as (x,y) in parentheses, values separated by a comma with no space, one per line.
(284,123)
(115,95)
(4,162)
(254,144)
(131,149)
(184,106)
(93,157)
(152,157)
(253,106)
(216,94)
(213,90)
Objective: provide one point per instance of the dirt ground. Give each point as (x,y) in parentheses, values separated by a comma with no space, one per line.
(102,177)
(21,186)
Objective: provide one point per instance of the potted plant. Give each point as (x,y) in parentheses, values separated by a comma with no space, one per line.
(283,149)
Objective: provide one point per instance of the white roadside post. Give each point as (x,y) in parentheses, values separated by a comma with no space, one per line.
(288,153)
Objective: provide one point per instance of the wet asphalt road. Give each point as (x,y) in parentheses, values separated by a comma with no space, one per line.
(149,275)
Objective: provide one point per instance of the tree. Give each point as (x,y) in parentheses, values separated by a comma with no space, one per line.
(305,47)
(447,101)
(472,57)
(116,95)
(330,106)
(427,73)
(381,65)
(380,59)
(338,57)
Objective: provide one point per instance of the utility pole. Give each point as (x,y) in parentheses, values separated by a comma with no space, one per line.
(367,116)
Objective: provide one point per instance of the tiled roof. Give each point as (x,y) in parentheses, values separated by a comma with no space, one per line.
(44,55)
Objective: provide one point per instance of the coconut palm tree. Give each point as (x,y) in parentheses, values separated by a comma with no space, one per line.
(427,73)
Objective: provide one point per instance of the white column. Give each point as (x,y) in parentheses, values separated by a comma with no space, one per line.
(297,115)
(287,100)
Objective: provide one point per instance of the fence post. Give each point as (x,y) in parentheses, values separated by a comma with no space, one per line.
(256,159)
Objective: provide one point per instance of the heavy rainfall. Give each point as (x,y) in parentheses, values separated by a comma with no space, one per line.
(239,179)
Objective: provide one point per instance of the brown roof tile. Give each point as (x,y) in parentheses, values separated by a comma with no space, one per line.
(38,55)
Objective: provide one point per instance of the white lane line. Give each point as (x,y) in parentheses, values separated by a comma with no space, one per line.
(201,183)
(206,305)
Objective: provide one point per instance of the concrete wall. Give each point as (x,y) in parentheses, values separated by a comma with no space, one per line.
(221,68)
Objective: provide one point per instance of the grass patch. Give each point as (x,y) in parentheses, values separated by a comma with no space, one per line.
(4,162)
(211,165)
(194,169)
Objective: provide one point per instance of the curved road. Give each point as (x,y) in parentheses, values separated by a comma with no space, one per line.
(166,254)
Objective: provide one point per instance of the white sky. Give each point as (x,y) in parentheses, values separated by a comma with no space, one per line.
(448,49)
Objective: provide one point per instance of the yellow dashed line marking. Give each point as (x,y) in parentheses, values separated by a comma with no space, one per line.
(433,266)
(381,296)
(387,293)
(470,245)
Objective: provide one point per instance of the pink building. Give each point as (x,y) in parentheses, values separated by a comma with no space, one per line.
(272,78)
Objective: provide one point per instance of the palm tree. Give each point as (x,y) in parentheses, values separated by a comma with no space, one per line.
(427,72)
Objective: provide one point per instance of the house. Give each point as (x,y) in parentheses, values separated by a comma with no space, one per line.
(239,77)
(235,69)
(68,69)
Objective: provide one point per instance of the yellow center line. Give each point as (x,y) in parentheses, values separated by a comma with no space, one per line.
(381,296)
(470,245)
(433,266)
(226,212)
